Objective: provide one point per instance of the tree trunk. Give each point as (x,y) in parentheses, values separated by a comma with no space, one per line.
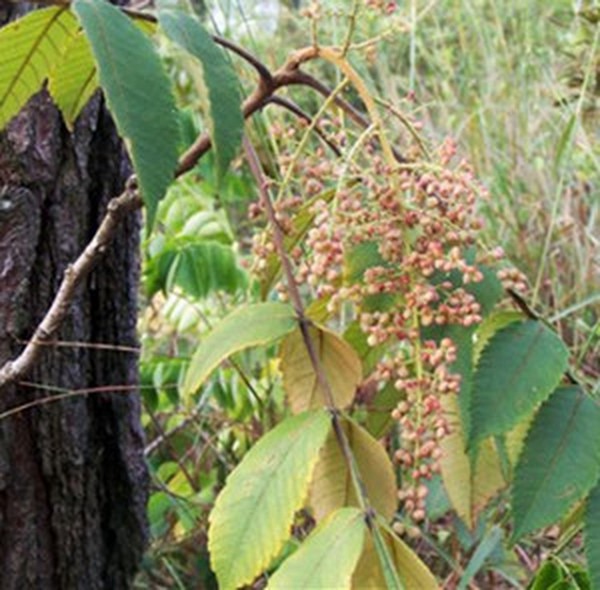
(73,481)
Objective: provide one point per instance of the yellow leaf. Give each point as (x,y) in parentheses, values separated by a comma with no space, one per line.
(414,574)
(332,486)
(327,557)
(30,48)
(515,439)
(339,361)
(467,490)
(252,516)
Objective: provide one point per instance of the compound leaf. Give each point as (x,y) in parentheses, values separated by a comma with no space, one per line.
(252,516)
(138,94)
(252,325)
(226,121)
(30,48)
(560,460)
(328,556)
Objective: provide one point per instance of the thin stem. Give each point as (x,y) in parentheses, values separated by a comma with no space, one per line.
(296,110)
(351,28)
(326,104)
(364,136)
(333,56)
(304,324)
(409,126)
(106,390)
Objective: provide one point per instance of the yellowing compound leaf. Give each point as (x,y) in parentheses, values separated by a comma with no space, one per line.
(328,556)
(252,515)
(468,490)
(73,82)
(339,361)
(29,50)
(253,325)
(413,573)
(332,485)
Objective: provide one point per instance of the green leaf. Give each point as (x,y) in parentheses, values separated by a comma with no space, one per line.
(226,121)
(339,362)
(488,545)
(490,325)
(252,516)
(252,325)
(73,82)
(138,94)
(546,576)
(29,50)
(592,534)
(200,269)
(328,556)
(332,486)
(518,369)
(560,461)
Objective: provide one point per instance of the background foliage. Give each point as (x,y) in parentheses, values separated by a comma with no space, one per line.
(396,305)
(515,84)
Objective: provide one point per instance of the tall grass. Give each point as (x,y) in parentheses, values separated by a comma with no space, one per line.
(498,75)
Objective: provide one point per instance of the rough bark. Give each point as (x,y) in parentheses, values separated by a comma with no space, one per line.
(73,481)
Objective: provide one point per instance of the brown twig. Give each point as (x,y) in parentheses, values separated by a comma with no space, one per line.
(117,208)
(296,110)
(73,277)
(289,74)
(262,70)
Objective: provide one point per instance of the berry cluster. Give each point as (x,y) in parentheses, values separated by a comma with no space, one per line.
(393,248)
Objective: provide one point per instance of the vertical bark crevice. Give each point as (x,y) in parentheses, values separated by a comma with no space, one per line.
(73,481)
